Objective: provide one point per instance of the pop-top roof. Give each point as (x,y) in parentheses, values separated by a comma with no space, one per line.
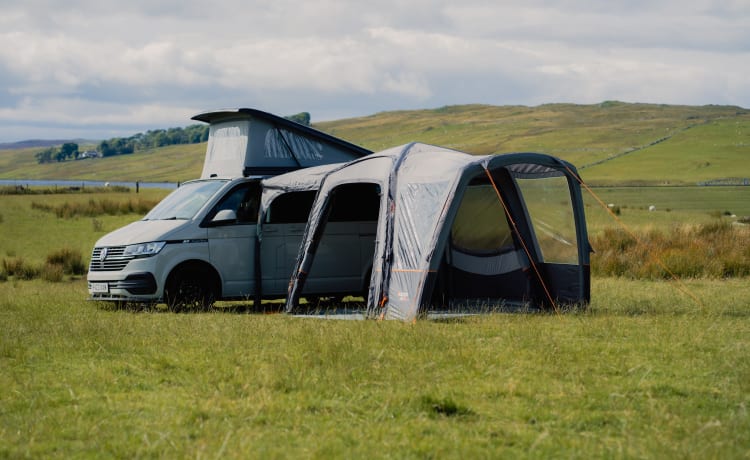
(244,142)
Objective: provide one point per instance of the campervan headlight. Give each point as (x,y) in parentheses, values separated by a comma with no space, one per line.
(144,249)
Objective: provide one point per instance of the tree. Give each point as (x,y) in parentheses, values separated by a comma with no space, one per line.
(45,156)
(106,149)
(69,150)
(302,118)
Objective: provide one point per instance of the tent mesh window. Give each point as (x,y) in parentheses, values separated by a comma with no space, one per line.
(480,226)
(549,205)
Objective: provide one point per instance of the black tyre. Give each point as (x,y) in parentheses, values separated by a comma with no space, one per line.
(190,289)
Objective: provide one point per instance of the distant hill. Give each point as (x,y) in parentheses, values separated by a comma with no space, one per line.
(41,143)
(611,142)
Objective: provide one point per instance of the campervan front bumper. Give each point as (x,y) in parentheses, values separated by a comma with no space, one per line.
(135,287)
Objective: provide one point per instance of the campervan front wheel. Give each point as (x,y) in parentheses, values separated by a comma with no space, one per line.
(190,288)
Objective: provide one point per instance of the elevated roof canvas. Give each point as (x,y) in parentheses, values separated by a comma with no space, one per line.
(244,142)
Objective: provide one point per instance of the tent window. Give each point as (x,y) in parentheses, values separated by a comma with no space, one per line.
(355,203)
(481,227)
(291,208)
(551,211)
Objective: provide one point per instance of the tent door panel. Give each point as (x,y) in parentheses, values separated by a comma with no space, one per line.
(278,254)
(336,267)
(512,286)
(343,243)
(567,283)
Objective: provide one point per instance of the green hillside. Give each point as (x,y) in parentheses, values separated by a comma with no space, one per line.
(167,164)
(611,142)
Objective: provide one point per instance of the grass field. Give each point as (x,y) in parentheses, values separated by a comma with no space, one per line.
(645,373)
(176,163)
(673,206)
(32,233)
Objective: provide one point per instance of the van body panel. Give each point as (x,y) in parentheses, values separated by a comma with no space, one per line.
(232,252)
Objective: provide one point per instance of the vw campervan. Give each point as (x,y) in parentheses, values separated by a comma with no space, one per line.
(206,240)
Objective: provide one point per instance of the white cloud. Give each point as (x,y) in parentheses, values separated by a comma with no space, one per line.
(77,112)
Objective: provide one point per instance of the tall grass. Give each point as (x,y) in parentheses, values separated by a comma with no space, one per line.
(18,267)
(69,260)
(59,263)
(96,207)
(716,249)
(25,190)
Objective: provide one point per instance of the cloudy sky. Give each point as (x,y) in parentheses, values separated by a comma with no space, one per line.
(103,68)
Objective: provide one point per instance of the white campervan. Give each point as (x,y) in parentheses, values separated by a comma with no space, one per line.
(210,239)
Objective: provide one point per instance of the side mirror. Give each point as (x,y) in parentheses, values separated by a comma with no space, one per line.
(223,216)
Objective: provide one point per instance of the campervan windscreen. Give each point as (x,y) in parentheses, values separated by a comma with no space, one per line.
(186,201)
(551,210)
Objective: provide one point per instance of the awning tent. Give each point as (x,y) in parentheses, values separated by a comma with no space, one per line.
(459,232)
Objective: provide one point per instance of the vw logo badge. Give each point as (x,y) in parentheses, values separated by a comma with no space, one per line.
(103,255)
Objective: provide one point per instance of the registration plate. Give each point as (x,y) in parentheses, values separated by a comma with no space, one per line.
(99,288)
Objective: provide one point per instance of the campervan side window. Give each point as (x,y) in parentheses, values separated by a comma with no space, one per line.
(243,200)
(480,226)
(291,208)
(355,203)
(551,211)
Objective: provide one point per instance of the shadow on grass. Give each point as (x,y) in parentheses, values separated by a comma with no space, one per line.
(319,307)
(337,309)
(225,308)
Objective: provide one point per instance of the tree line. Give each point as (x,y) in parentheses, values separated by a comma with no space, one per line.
(62,153)
(193,134)
(151,139)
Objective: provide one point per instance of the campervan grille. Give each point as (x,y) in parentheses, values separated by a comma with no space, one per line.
(113,260)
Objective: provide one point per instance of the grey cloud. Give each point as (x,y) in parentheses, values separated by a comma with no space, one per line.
(115,66)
